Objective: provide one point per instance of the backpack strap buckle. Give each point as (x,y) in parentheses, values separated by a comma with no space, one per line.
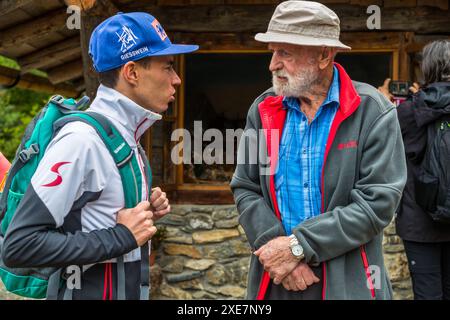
(26,154)
(64,107)
(57,99)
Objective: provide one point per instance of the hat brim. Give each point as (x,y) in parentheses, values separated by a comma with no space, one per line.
(300,40)
(175,49)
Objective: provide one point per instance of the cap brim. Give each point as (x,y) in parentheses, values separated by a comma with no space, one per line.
(174,49)
(300,40)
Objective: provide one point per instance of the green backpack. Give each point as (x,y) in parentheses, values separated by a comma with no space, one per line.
(45,282)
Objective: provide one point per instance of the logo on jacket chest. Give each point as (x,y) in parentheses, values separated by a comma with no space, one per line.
(352,144)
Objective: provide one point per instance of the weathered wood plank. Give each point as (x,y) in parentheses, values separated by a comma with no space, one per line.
(33,29)
(32,82)
(220,41)
(82,4)
(419,41)
(442,4)
(246,41)
(400,3)
(7,6)
(44,57)
(67,71)
(245,18)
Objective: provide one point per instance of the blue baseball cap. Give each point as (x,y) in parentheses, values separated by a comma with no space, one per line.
(129,37)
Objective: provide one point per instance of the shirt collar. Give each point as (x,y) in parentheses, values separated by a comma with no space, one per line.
(331,99)
(131,119)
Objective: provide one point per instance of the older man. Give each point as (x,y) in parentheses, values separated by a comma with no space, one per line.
(315,219)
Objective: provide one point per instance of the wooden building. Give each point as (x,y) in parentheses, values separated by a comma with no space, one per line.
(219,81)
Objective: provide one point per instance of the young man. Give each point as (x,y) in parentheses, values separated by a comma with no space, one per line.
(337,171)
(72,213)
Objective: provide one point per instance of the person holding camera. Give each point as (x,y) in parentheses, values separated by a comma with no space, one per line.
(426,240)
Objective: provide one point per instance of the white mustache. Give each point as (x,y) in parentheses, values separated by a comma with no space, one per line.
(280,73)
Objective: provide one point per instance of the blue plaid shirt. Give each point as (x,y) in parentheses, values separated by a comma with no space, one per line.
(302,151)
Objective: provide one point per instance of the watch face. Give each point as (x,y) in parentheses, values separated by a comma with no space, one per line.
(297,251)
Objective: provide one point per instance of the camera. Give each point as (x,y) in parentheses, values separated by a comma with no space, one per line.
(399,88)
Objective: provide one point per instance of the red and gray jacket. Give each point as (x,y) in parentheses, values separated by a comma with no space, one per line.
(363,176)
(68,213)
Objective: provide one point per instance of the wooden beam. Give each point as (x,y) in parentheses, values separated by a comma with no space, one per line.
(98,7)
(28,81)
(419,41)
(245,41)
(68,71)
(245,18)
(89,20)
(47,56)
(404,59)
(220,41)
(7,6)
(34,29)
(442,4)
(82,4)
(372,40)
(409,19)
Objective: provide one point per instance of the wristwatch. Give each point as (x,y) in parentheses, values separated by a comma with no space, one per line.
(296,248)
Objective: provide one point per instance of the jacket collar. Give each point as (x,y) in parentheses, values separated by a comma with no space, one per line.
(349,100)
(127,116)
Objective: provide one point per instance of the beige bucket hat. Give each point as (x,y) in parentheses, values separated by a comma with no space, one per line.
(304,23)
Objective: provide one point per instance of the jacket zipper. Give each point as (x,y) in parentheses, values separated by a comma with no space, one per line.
(367,271)
(135,182)
(324,263)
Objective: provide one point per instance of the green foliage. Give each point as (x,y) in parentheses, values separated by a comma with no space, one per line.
(9,63)
(17,108)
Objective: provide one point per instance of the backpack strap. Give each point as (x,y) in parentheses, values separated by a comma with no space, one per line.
(145,264)
(117,147)
(131,183)
(24,154)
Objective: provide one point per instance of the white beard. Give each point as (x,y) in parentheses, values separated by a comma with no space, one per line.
(296,84)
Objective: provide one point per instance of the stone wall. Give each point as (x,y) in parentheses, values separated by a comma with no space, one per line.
(397,264)
(205,255)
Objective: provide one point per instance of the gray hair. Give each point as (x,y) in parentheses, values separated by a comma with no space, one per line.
(436,61)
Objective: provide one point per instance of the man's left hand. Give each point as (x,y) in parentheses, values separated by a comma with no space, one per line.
(159,203)
(277,258)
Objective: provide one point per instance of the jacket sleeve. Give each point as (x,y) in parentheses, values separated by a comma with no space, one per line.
(414,137)
(373,200)
(256,215)
(68,170)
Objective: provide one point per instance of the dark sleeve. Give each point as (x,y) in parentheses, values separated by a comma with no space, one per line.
(34,237)
(32,240)
(414,138)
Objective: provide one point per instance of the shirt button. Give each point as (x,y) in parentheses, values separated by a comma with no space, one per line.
(304,151)
(306,185)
